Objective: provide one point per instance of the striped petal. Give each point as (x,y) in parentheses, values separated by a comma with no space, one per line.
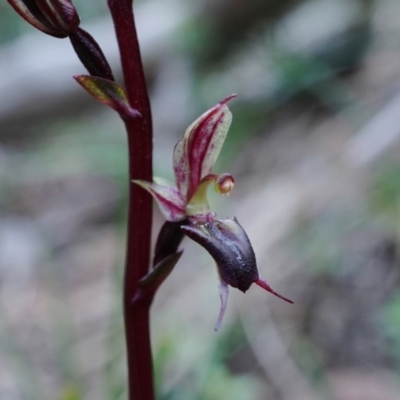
(197,151)
(169,199)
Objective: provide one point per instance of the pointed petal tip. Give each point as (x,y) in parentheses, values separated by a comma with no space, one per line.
(169,199)
(262,283)
(109,93)
(228,98)
(133,113)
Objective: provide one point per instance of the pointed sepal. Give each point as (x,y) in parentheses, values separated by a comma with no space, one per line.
(223,294)
(263,283)
(108,93)
(197,151)
(168,240)
(153,280)
(169,199)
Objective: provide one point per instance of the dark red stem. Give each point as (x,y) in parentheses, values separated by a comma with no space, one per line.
(140,204)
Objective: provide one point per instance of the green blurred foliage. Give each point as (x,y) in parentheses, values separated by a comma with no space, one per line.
(71,393)
(390,319)
(384,202)
(317,243)
(207,374)
(384,196)
(307,360)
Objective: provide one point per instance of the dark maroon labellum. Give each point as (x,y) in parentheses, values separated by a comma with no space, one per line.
(229,245)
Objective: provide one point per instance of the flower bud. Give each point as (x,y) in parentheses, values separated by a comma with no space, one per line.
(57,18)
(90,54)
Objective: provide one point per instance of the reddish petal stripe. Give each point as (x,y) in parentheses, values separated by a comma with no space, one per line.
(181,166)
(205,145)
(35,17)
(61,13)
(169,199)
(172,211)
(197,151)
(67,14)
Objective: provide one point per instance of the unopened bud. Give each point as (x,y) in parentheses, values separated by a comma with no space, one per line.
(56,18)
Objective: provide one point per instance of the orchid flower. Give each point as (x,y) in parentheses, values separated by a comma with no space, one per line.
(226,241)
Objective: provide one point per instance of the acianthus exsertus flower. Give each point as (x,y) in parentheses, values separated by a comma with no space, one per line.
(194,157)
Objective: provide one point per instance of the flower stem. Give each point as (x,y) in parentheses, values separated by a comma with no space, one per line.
(139,130)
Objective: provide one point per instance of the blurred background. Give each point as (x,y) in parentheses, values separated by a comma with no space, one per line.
(315,150)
